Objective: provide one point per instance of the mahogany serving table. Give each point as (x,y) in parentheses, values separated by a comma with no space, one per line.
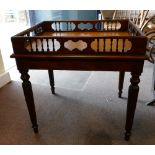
(105,45)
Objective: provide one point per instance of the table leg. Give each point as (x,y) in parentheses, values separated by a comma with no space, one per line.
(51,79)
(121,81)
(28,93)
(131,105)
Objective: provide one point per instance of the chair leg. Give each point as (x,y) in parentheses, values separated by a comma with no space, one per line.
(51,80)
(121,81)
(151,102)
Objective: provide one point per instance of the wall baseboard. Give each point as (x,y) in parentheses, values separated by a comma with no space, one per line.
(4,79)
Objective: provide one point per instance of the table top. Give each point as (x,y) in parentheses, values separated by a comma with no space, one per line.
(44,46)
(109,38)
(84,34)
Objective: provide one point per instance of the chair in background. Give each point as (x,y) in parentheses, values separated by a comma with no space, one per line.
(147,25)
(149,29)
(137,16)
(146,22)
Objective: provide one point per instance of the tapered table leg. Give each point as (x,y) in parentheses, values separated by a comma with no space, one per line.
(120,84)
(28,93)
(131,105)
(51,79)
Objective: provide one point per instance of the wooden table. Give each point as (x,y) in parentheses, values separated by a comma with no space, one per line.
(105,45)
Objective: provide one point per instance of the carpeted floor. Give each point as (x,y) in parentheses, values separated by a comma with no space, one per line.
(85,109)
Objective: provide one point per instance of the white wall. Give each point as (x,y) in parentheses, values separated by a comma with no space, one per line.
(1,64)
(4,76)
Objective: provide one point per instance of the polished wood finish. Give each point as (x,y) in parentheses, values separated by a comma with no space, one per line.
(124,53)
(132,101)
(121,81)
(51,79)
(28,93)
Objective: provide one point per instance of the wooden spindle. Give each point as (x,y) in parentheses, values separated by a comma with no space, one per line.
(55,26)
(42,45)
(36,45)
(104,44)
(71,24)
(47,45)
(59,26)
(100,26)
(53,44)
(31,48)
(67,25)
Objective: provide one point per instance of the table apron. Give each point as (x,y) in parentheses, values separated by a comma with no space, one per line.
(113,65)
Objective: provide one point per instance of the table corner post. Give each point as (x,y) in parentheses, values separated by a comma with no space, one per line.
(51,80)
(132,101)
(121,81)
(28,93)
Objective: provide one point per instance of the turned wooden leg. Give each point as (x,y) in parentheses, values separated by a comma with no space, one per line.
(121,81)
(28,93)
(131,105)
(51,79)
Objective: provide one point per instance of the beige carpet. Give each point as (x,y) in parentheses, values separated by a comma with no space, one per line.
(85,110)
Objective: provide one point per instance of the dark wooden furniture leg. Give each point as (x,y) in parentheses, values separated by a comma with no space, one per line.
(28,93)
(131,105)
(121,81)
(51,79)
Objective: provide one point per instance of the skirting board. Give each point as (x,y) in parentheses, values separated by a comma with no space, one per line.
(4,79)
